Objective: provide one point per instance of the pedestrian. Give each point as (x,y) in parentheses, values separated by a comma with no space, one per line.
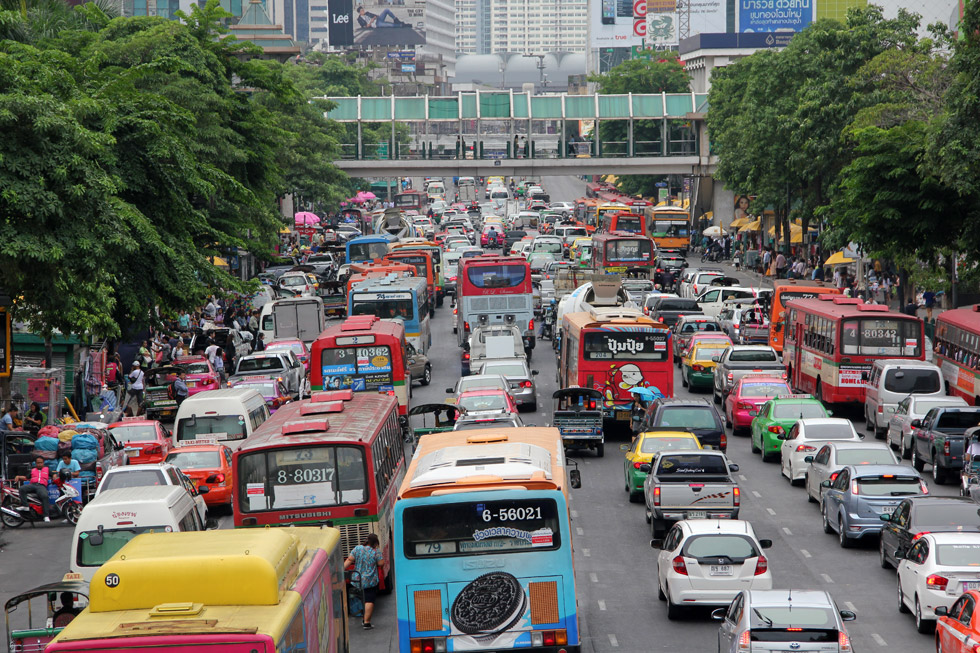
(211,310)
(738,260)
(253,323)
(136,378)
(260,343)
(366,559)
(180,387)
(184,321)
(516,145)
(780,265)
(145,357)
(929,299)
(728,246)
(211,352)
(219,367)
(766,259)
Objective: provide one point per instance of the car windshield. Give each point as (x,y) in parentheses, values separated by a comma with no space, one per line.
(876,456)
(753,355)
(133,478)
(955,516)
(724,545)
(653,445)
(264,364)
(483,402)
(504,369)
(958,555)
(292,281)
(694,417)
(195,459)
(787,410)
(764,389)
(143,433)
(888,485)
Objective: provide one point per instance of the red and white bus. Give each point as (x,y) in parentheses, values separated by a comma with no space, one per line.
(957,350)
(614,350)
(494,289)
(364,354)
(832,341)
(335,459)
(614,252)
(786,290)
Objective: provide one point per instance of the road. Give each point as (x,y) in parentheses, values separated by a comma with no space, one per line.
(615,566)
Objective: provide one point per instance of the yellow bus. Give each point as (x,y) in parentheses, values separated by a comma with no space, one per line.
(268,590)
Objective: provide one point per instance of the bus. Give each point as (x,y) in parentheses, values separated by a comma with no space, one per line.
(335,459)
(957,350)
(602,208)
(483,544)
(367,248)
(494,289)
(633,223)
(614,350)
(424,269)
(273,590)
(410,200)
(397,298)
(832,342)
(787,290)
(365,354)
(615,252)
(670,227)
(435,251)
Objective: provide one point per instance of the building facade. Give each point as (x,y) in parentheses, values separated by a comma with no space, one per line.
(521,26)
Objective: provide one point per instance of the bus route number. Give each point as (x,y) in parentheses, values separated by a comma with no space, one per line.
(512,514)
(306,475)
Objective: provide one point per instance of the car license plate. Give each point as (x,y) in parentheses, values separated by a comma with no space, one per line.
(623,415)
(697,514)
(133,452)
(969,585)
(720,570)
(887,510)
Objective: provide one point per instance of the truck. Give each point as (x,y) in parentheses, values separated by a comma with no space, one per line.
(739,360)
(696,484)
(492,341)
(299,318)
(939,439)
(466,194)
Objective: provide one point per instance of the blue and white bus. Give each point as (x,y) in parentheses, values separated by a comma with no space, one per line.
(396,298)
(368,248)
(483,546)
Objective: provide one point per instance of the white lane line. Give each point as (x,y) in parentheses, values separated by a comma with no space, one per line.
(602,605)
(594,577)
(587,553)
(613,641)
(826,578)
(805,553)
(850,606)
(787,531)
(574,514)
(879,640)
(743,477)
(579,531)
(771,511)
(756,494)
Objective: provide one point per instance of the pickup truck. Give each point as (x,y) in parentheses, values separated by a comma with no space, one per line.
(739,360)
(689,485)
(939,440)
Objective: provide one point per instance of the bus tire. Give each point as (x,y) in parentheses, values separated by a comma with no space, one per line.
(600,450)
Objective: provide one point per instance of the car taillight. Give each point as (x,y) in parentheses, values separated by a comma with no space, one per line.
(918,535)
(466,326)
(946,447)
(637,465)
(152,449)
(881,409)
(937,582)
(731,377)
(99,471)
(466,355)
(656,496)
(843,642)
(455,310)
(697,368)
(679,566)
(738,496)
(208,380)
(761,565)
(220,478)
(854,488)
(724,441)
(924,487)
(805,447)
(744,405)
(776,429)
(526,384)
(745,641)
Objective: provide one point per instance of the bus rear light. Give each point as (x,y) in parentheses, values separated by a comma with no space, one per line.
(428,645)
(679,566)
(250,521)
(543,597)
(549,638)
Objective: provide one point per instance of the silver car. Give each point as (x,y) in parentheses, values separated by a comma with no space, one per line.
(899,432)
(767,621)
(472,423)
(479,382)
(833,456)
(275,364)
(519,376)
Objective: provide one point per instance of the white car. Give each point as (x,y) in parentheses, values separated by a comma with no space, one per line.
(833,456)
(899,432)
(934,572)
(805,439)
(712,298)
(151,474)
(699,281)
(708,562)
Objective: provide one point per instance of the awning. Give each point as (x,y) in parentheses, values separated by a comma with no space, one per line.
(285,230)
(738,222)
(219,262)
(752,226)
(838,259)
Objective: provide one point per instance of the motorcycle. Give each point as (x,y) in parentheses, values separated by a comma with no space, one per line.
(13,513)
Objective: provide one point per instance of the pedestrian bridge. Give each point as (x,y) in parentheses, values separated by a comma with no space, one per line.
(482,133)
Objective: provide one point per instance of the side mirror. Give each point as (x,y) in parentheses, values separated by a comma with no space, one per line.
(645,468)
(830,413)
(719,614)
(211,524)
(656,544)
(825,484)
(732,467)
(916,423)
(534,372)
(783,436)
(765,544)
(753,413)
(624,447)
(575,478)
(847,615)
(716,359)
(941,611)
(204,489)
(883,516)
(449,391)
(808,459)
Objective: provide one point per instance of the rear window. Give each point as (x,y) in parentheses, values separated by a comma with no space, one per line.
(865,457)
(496,276)
(505,370)
(958,516)
(700,325)
(958,555)
(790,616)
(195,460)
(959,420)
(764,389)
(692,417)
(799,411)
(135,478)
(653,445)
(269,364)
(145,433)
(888,485)
(694,463)
(829,432)
(483,402)
(753,356)
(735,547)
(678,305)
(913,381)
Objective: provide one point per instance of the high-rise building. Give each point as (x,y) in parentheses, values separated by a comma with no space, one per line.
(521,26)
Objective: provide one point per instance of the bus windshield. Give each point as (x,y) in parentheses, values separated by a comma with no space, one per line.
(471,528)
(496,276)
(302,477)
(384,308)
(367,251)
(881,337)
(670,228)
(357,368)
(628,249)
(607,346)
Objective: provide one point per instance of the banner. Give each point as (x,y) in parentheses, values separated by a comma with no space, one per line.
(371,24)
(340,29)
(774,15)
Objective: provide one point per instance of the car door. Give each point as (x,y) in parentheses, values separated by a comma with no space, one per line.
(631,458)
(896,423)
(894,534)
(709,302)
(922,438)
(962,625)
(786,448)
(909,568)
(666,555)
(949,630)
(759,423)
(115,453)
(729,625)
(818,472)
(833,497)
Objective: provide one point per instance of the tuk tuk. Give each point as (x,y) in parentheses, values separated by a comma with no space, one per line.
(157,401)
(31,624)
(578,418)
(334,298)
(444,418)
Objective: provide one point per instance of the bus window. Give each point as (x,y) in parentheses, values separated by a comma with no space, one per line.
(301,477)
(628,250)
(496,276)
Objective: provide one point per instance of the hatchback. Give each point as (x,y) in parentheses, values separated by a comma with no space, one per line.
(833,456)
(938,568)
(519,376)
(272,390)
(146,441)
(805,438)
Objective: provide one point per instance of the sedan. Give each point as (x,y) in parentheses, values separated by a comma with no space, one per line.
(780,620)
(854,502)
(690,325)
(748,395)
(899,432)
(418,364)
(805,438)
(487,403)
(298,347)
(833,456)
(776,417)
(282,365)
(959,626)
(698,366)
(938,568)
(478,381)
(146,441)
(923,514)
(519,376)
(201,375)
(708,562)
(209,466)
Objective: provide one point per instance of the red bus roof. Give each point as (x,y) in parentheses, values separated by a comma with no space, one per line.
(618,235)
(965,317)
(365,323)
(838,306)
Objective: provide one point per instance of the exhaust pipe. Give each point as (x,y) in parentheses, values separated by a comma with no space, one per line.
(12,513)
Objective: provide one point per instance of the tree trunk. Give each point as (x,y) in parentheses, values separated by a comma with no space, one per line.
(48,352)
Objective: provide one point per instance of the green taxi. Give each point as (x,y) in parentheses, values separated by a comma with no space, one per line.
(777,416)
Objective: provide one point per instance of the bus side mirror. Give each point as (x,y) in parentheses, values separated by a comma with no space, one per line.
(575,479)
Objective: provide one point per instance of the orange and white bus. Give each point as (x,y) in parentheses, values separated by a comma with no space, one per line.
(273,590)
(957,350)
(615,252)
(832,342)
(788,290)
(335,459)
(670,227)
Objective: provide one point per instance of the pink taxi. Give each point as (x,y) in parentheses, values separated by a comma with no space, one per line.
(751,391)
(298,347)
(201,375)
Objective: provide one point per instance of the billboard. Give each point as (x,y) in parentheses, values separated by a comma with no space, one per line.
(617,23)
(662,30)
(706,17)
(372,24)
(774,15)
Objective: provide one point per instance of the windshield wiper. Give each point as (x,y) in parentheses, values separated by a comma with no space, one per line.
(903,493)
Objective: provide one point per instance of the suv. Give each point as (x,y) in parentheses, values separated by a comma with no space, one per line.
(695,415)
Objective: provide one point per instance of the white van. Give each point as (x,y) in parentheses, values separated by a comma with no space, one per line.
(115,517)
(228,416)
(894,379)
(299,318)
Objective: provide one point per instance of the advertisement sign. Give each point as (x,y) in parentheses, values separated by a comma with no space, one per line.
(662,30)
(371,24)
(774,15)
(340,28)
(707,16)
(617,23)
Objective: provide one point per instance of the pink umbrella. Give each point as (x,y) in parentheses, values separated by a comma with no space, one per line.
(305,217)
(366,195)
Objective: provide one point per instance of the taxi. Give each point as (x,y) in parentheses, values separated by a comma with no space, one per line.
(201,375)
(577,250)
(776,417)
(642,450)
(697,366)
(298,347)
(486,401)
(751,391)
(145,440)
(958,627)
(208,465)
(693,328)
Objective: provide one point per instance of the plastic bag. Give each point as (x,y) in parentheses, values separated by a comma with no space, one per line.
(46,444)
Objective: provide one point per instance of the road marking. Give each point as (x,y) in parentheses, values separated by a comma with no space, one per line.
(879,640)
(594,577)
(602,605)
(805,553)
(850,606)
(613,641)
(587,553)
(826,578)
(756,494)
(574,514)
(742,477)
(771,511)
(579,531)
(787,531)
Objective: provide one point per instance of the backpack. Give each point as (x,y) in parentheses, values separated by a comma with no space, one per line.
(172,390)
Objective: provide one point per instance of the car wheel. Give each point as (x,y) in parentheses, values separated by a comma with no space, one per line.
(904,609)
(674,611)
(806,482)
(427,375)
(683,379)
(917,462)
(845,541)
(755,449)
(635,496)
(868,424)
(657,528)
(882,558)
(939,473)
(889,440)
(902,449)
(715,396)
(660,592)
(827,528)
(924,626)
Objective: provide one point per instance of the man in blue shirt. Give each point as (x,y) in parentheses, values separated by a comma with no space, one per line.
(7,421)
(68,467)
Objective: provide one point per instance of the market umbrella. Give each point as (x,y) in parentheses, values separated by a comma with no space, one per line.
(714,231)
(305,217)
(366,195)
(838,259)
(738,222)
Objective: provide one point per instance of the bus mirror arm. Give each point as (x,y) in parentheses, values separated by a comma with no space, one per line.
(574,475)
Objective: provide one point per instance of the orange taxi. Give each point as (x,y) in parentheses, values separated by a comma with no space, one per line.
(208,465)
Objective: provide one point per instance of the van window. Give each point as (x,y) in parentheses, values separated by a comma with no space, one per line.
(135,478)
(913,381)
(219,427)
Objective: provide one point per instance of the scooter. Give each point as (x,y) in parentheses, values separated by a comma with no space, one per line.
(13,514)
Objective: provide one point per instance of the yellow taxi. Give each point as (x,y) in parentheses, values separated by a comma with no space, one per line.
(580,251)
(642,450)
(697,368)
